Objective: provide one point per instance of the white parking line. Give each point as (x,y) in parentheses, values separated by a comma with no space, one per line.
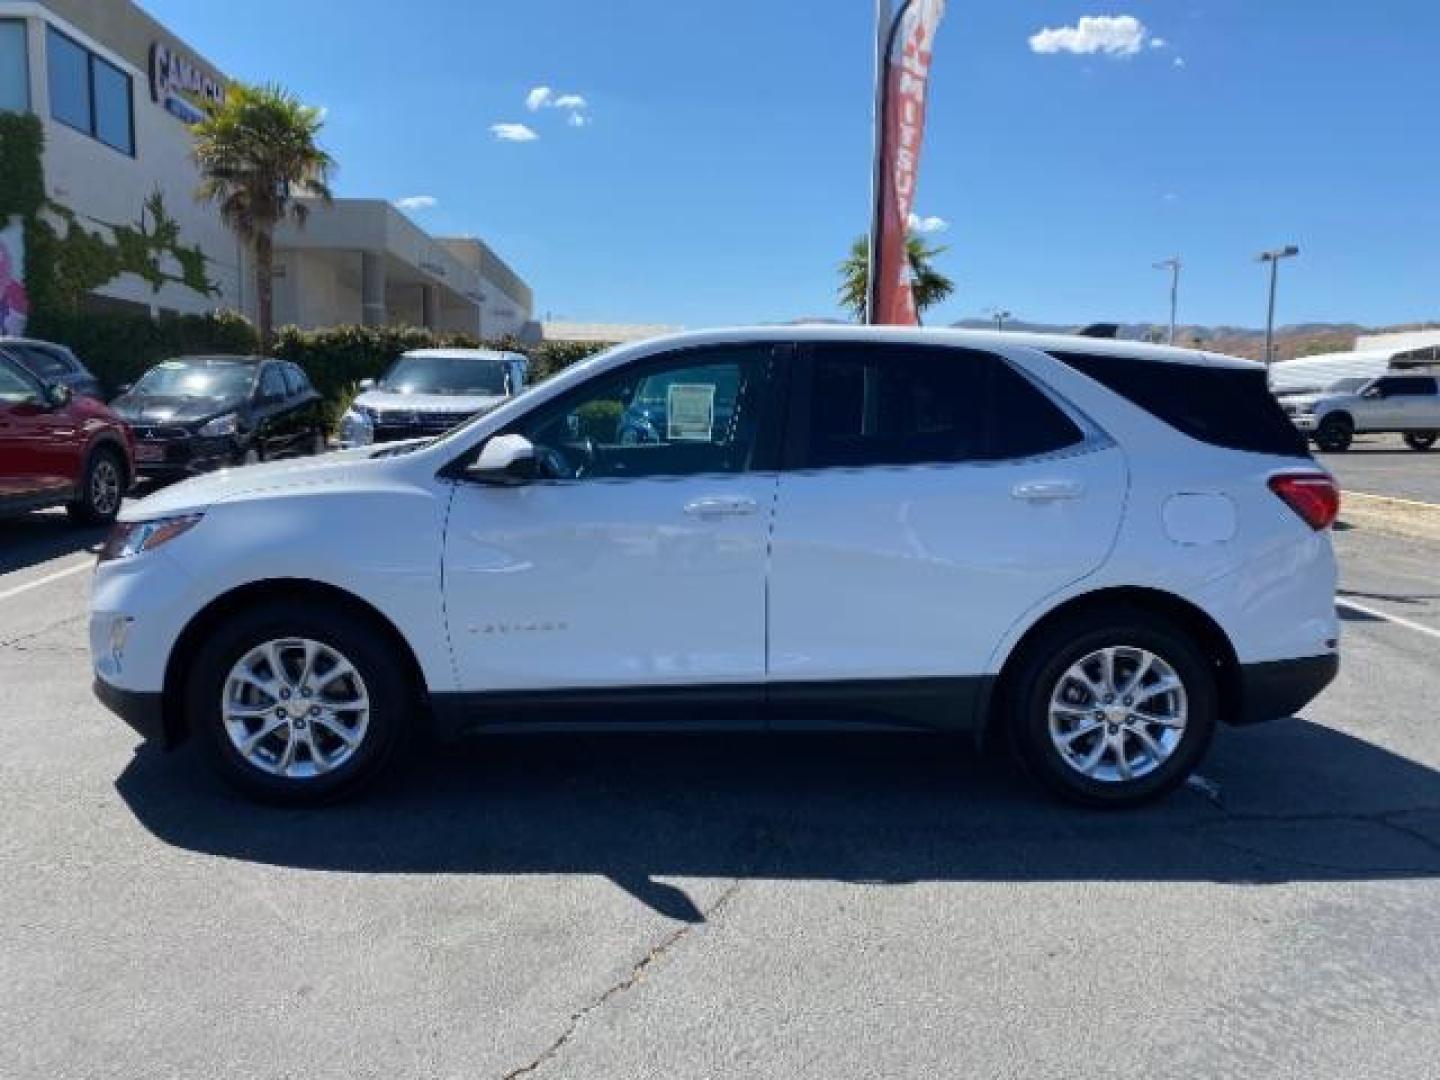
(1392,499)
(9,594)
(1419,628)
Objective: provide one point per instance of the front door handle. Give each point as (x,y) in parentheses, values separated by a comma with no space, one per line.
(1048,490)
(720,506)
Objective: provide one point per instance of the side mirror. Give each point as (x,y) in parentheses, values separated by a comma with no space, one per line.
(506,460)
(58,395)
(367,384)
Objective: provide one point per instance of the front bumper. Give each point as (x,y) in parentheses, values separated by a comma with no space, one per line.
(189,456)
(1281,688)
(142,710)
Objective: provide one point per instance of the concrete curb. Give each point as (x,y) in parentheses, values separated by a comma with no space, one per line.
(1383,513)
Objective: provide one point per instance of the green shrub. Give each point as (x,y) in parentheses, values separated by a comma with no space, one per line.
(600,420)
(121,348)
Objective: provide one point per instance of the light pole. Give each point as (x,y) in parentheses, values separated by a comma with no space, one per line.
(999,315)
(1289,251)
(1173,265)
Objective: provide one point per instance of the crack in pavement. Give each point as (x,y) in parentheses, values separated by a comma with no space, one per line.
(15,641)
(637,972)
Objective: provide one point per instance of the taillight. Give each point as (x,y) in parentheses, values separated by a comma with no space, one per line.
(1316,498)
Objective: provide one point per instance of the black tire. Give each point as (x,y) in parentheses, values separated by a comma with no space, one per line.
(1039,673)
(102,488)
(359,641)
(1335,434)
(317,443)
(1420,440)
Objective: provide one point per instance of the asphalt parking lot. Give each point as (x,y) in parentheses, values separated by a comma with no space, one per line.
(701,907)
(1384,465)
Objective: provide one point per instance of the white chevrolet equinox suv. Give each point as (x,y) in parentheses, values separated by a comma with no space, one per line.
(1092,550)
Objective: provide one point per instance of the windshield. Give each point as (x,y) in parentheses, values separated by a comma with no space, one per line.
(176,378)
(446,375)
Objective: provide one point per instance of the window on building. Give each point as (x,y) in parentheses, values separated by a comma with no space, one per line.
(14,67)
(89,94)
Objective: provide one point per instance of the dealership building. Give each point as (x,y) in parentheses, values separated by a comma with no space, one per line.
(116,90)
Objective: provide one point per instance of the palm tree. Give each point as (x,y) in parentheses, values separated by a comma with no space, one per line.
(929,285)
(255,149)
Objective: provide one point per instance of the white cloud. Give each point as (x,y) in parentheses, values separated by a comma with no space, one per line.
(513,133)
(570,101)
(1113,35)
(537,98)
(1158,43)
(930,224)
(576,119)
(417,202)
(1179,61)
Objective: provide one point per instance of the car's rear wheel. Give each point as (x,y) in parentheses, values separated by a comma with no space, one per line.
(102,488)
(1112,708)
(1420,440)
(1335,434)
(298,707)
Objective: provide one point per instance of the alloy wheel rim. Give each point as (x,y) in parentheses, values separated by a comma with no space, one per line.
(1118,714)
(295,708)
(104,487)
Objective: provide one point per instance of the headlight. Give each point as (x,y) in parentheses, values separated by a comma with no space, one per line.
(357,428)
(221,425)
(132,537)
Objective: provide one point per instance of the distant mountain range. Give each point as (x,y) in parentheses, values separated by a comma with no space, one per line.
(1301,339)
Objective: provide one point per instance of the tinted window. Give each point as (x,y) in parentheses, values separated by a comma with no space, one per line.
(698,413)
(14,386)
(272,383)
(888,405)
(112,106)
(1223,406)
(48,365)
(1406,385)
(89,94)
(14,67)
(294,382)
(69,66)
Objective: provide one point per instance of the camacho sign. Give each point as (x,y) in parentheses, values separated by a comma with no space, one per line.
(180,84)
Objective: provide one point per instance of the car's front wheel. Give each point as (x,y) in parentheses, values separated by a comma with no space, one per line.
(102,489)
(1112,708)
(298,707)
(1335,434)
(1420,440)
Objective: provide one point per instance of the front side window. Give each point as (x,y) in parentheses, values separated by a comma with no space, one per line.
(15,388)
(911,405)
(44,363)
(90,94)
(698,413)
(272,383)
(14,67)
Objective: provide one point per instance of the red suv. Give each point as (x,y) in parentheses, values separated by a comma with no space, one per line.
(57,449)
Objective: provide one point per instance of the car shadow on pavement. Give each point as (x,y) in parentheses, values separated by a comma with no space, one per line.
(1289,801)
(27,540)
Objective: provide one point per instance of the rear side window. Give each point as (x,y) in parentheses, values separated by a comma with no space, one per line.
(1407,386)
(295,380)
(1228,407)
(910,405)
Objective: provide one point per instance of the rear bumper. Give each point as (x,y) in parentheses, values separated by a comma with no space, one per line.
(1281,688)
(142,710)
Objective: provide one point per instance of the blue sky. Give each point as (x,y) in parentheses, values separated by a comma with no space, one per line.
(722,166)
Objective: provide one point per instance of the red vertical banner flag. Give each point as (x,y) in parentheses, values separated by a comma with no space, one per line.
(904,71)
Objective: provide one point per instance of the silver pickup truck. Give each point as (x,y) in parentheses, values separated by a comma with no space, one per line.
(1407,404)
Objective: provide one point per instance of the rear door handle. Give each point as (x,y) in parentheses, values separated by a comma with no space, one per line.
(1048,490)
(720,506)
